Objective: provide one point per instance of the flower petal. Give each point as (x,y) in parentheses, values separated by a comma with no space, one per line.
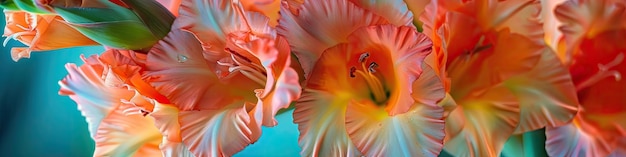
(547,94)
(215,132)
(178,70)
(395,11)
(320,25)
(174,149)
(86,87)
(570,140)
(321,120)
(127,135)
(420,131)
(485,121)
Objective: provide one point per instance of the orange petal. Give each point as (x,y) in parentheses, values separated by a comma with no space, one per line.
(320,25)
(127,135)
(215,132)
(321,121)
(419,131)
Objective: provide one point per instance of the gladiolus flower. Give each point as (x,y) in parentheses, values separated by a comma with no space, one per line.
(367,92)
(592,46)
(40,33)
(227,74)
(99,93)
(501,75)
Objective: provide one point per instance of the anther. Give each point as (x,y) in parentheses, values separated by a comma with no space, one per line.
(352,71)
(364,56)
(372,67)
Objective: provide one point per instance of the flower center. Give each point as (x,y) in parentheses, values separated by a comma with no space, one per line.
(238,63)
(603,72)
(367,72)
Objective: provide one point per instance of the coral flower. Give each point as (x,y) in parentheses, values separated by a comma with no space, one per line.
(40,33)
(117,126)
(591,45)
(367,92)
(499,73)
(225,71)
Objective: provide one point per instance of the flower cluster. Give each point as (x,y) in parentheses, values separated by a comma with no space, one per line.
(366,77)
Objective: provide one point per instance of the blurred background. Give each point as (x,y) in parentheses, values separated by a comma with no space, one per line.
(36,121)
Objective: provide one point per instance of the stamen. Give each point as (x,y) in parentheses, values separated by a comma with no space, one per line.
(352,70)
(372,67)
(363,57)
(244,66)
(372,80)
(375,86)
(603,72)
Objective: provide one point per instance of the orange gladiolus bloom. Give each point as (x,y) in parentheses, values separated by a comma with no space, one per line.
(592,46)
(40,33)
(498,71)
(367,91)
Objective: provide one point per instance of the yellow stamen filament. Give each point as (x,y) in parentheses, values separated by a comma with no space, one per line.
(373,82)
(603,72)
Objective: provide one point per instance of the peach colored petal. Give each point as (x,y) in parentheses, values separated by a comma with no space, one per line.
(550,23)
(211,22)
(320,25)
(571,140)
(42,32)
(215,132)
(166,120)
(269,8)
(547,94)
(86,87)
(174,149)
(127,135)
(321,120)
(281,81)
(180,72)
(395,11)
(18,53)
(420,131)
(485,121)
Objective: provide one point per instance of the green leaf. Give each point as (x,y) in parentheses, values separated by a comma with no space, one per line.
(131,35)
